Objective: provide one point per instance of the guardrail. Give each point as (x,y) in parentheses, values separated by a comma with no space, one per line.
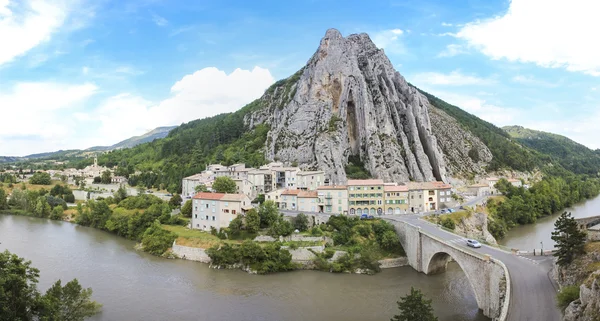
(506,304)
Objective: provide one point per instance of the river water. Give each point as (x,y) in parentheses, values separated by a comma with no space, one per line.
(136,286)
(528,237)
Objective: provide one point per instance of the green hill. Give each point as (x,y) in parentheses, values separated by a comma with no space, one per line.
(568,153)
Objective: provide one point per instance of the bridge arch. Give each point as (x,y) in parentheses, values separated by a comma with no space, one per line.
(438,262)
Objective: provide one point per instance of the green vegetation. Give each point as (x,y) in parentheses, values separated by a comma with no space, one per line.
(40,178)
(570,241)
(21,300)
(224,184)
(571,155)
(567,295)
(333,123)
(507,153)
(415,307)
(448,223)
(263,259)
(356,168)
(550,195)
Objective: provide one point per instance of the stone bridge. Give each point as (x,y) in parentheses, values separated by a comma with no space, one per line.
(587,222)
(430,254)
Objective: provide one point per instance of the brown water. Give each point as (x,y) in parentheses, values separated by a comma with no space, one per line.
(528,237)
(137,286)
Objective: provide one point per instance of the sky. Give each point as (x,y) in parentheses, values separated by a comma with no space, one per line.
(82,73)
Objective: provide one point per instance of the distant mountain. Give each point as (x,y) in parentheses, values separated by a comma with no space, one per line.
(157,133)
(570,154)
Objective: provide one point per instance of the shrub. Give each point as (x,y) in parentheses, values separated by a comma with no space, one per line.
(448,223)
(157,240)
(40,178)
(567,295)
(316,231)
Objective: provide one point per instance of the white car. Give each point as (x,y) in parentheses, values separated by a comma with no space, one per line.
(473,243)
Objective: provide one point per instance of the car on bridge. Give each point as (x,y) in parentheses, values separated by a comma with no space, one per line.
(473,243)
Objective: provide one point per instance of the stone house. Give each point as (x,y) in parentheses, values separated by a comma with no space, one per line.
(310,180)
(289,200)
(396,199)
(189,184)
(119,180)
(429,196)
(365,197)
(333,199)
(217,209)
(262,180)
(307,201)
(479,189)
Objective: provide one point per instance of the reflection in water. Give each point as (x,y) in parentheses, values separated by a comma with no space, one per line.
(528,237)
(137,286)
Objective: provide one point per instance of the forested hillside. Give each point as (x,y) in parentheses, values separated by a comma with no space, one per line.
(568,153)
(507,153)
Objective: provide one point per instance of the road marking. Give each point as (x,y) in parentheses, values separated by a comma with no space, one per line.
(530,260)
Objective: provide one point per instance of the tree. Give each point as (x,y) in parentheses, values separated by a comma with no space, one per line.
(64,178)
(252,221)
(570,241)
(235,226)
(120,194)
(201,188)
(21,300)
(186,209)
(175,201)
(415,307)
(3,201)
(97,180)
(269,213)
(301,222)
(69,303)
(224,184)
(106,177)
(40,178)
(157,240)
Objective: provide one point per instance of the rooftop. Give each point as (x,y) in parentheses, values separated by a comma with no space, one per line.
(208,196)
(234,197)
(364,182)
(291,192)
(395,188)
(302,173)
(336,187)
(308,194)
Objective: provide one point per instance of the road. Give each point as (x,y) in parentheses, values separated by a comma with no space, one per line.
(533,294)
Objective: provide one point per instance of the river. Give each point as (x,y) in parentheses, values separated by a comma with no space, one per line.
(136,286)
(528,237)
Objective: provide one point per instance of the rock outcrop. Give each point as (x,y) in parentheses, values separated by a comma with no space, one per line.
(349,101)
(587,307)
(475,226)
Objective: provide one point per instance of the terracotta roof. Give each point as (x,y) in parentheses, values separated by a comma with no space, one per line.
(233,197)
(208,196)
(332,187)
(291,192)
(395,188)
(364,182)
(308,194)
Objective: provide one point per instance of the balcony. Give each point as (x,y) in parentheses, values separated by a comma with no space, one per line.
(328,197)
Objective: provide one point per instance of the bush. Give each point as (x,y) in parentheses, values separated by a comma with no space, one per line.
(281,228)
(567,295)
(40,178)
(448,223)
(301,222)
(316,231)
(157,240)
(497,228)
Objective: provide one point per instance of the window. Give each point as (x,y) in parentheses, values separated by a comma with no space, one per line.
(213,210)
(213,203)
(226,211)
(195,215)
(233,211)
(351,188)
(197,225)
(388,194)
(379,202)
(339,194)
(226,203)
(201,201)
(196,208)
(378,187)
(213,218)
(339,208)
(206,205)
(207,217)
(202,209)
(372,188)
(195,201)
(339,201)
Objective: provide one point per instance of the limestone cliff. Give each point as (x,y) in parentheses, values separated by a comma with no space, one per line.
(348,100)
(587,307)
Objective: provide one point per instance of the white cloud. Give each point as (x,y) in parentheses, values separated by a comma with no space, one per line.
(582,129)
(445,24)
(532,81)
(549,33)
(159,21)
(390,41)
(206,92)
(40,110)
(26,25)
(452,50)
(455,78)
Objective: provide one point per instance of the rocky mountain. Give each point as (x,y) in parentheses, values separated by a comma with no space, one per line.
(157,133)
(570,154)
(350,101)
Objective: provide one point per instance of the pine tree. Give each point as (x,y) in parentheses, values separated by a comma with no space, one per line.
(569,239)
(415,307)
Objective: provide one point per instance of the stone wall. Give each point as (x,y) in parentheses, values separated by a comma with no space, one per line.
(190,253)
(393,263)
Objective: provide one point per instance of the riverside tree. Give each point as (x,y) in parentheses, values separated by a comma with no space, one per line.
(415,307)
(21,300)
(3,202)
(570,241)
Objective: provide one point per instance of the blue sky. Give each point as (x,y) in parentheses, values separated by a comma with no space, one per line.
(77,73)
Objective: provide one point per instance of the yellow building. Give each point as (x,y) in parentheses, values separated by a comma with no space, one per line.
(396,199)
(365,197)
